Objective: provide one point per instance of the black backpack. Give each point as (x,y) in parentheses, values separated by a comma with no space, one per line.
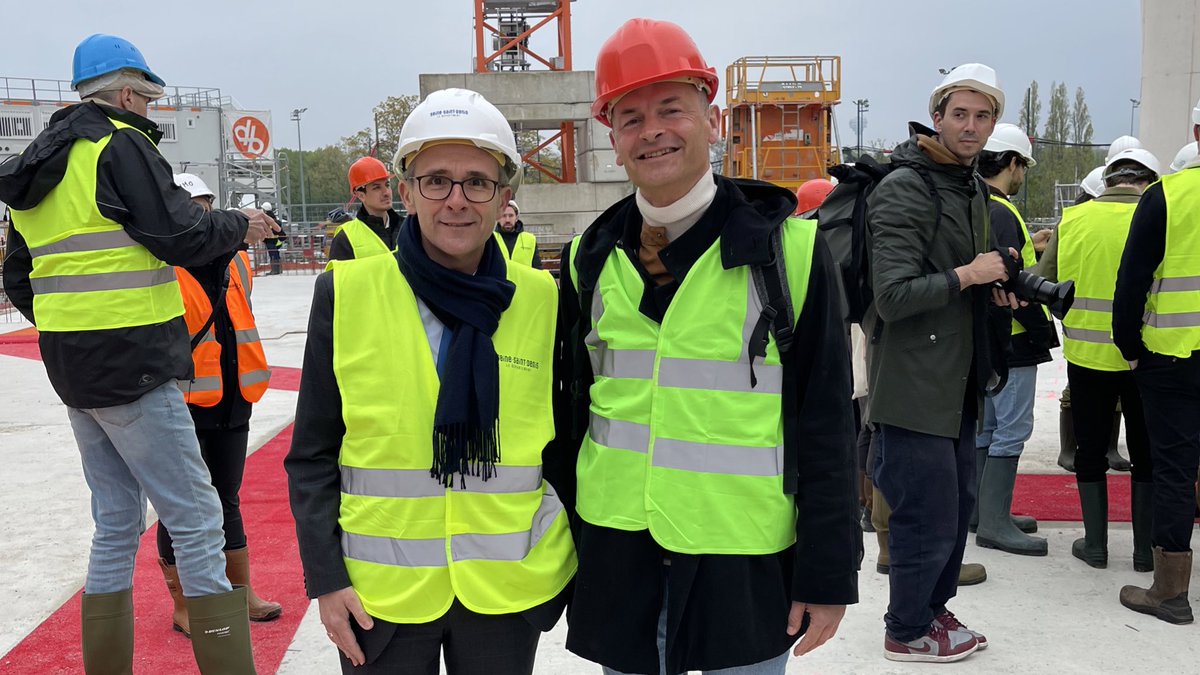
(842,224)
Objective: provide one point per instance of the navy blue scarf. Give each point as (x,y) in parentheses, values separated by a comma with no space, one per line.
(466,427)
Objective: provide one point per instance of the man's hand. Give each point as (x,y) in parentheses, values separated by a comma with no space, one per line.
(1133,364)
(1040,239)
(823,622)
(1003,298)
(261,226)
(336,608)
(984,269)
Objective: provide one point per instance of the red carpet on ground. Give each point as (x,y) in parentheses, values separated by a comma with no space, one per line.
(1053,496)
(53,647)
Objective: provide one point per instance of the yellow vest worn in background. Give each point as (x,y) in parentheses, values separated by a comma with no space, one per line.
(523,249)
(1028,253)
(411,546)
(1172,321)
(1091,239)
(88,273)
(679,441)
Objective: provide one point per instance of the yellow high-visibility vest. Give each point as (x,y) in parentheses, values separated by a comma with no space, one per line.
(410,545)
(88,273)
(680,441)
(1172,320)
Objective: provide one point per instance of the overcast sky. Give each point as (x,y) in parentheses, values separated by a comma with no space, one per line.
(340,59)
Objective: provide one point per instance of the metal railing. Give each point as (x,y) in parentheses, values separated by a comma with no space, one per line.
(60,91)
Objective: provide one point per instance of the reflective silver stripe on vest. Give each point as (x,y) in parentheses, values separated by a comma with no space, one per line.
(719,375)
(734,460)
(1178,320)
(247,336)
(510,547)
(254,377)
(1175,285)
(107,281)
(88,241)
(416,483)
(201,384)
(633,364)
(394,552)
(619,435)
(210,337)
(1093,304)
(1087,335)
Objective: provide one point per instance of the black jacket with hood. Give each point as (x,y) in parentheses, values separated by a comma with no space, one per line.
(723,610)
(134,187)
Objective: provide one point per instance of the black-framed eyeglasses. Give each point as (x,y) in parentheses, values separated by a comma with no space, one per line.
(476,190)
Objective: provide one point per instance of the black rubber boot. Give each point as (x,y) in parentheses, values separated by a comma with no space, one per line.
(1142,496)
(996,528)
(1066,433)
(1093,547)
(108,633)
(1115,461)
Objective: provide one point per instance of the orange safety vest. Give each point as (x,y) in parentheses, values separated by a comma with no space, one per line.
(205,389)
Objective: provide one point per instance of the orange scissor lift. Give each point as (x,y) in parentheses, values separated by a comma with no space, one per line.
(778,124)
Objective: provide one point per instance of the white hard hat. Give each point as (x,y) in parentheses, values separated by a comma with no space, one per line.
(458,115)
(973,76)
(1143,157)
(1185,156)
(193,184)
(1010,138)
(1121,144)
(266,206)
(1093,183)
(515,207)
(1196,113)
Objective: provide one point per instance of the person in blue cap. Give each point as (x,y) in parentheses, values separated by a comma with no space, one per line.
(98,224)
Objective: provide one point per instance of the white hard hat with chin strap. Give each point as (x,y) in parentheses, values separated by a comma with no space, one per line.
(973,77)
(463,116)
(1145,158)
(1010,138)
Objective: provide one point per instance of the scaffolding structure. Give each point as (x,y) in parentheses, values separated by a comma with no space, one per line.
(502,32)
(778,124)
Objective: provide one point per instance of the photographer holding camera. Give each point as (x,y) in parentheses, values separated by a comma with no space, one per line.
(931,354)
(1087,247)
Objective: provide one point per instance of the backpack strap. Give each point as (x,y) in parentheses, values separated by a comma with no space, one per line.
(218,309)
(779,318)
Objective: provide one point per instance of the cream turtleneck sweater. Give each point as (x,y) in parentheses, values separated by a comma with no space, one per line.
(662,225)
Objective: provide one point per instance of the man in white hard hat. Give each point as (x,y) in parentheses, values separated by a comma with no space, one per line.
(517,244)
(1091,186)
(1156,325)
(1087,247)
(274,244)
(1008,414)
(1121,144)
(933,359)
(425,526)
(714,428)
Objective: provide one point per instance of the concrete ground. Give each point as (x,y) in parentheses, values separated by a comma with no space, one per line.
(1042,615)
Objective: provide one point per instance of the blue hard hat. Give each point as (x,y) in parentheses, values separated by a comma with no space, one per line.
(102,54)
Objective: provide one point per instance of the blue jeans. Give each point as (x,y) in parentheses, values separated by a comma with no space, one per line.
(775,666)
(929,481)
(148,448)
(1008,416)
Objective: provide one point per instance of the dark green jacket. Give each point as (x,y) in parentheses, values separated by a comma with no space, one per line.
(922,328)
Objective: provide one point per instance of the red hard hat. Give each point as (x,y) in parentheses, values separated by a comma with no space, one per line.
(642,52)
(366,170)
(811,194)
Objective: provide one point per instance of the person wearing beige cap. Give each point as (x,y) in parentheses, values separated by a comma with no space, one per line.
(515,243)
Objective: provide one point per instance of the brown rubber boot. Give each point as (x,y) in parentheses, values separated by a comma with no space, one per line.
(107,628)
(968,575)
(237,568)
(1167,597)
(179,617)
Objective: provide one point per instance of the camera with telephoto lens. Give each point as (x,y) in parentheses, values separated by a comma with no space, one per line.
(1057,297)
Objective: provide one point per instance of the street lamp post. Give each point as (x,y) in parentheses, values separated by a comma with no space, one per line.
(861,105)
(300,148)
(1134,105)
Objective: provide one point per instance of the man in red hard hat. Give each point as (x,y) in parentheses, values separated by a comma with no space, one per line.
(810,195)
(373,230)
(705,397)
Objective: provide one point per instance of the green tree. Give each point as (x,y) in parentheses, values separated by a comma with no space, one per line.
(390,116)
(1031,110)
(1058,121)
